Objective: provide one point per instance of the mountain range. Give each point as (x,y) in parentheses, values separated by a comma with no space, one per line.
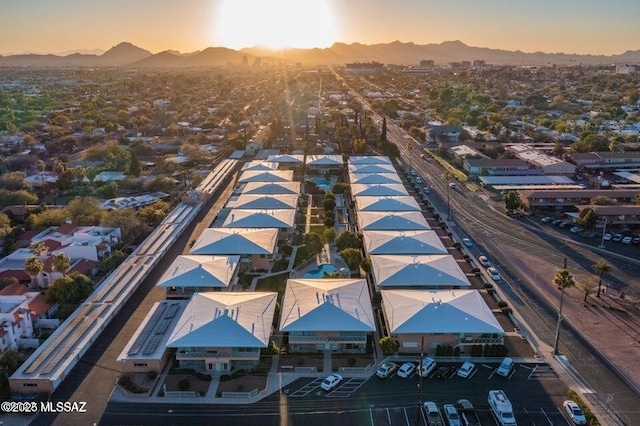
(127,54)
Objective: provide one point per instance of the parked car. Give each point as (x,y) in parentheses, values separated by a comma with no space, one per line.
(467,242)
(466,369)
(547,219)
(617,238)
(495,275)
(505,367)
(450,412)
(484,261)
(418,180)
(413,173)
(627,240)
(426,190)
(576,229)
(452,185)
(564,224)
(575,413)
(607,237)
(427,366)
(636,240)
(386,369)
(443,373)
(433,414)
(406,370)
(331,382)
(557,222)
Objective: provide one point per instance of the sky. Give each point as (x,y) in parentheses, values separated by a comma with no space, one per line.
(569,26)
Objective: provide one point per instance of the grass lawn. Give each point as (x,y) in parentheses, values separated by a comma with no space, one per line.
(275,283)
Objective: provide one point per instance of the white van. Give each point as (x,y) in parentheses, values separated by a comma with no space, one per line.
(505,367)
(427,366)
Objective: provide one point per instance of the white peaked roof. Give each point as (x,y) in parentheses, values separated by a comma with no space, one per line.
(267,176)
(327,305)
(377,190)
(286,158)
(200,271)
(387,204)
(403,242)
(324,160)
(236,241)
(242,218)
(372,168)
(390,221)
(272,188)
(418,271)
(438,311)
(259,166)
(366,159)
(224,319)
(374,178)
(265,202)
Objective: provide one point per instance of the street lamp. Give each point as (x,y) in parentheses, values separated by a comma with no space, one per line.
(557,341)
(604,230)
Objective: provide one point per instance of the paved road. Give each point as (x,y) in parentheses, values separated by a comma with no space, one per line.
(500,237)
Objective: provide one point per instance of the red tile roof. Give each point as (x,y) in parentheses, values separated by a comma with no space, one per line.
(15,289)
(83,266)
(52,244)
(66,229)
(18,274)
(38,306)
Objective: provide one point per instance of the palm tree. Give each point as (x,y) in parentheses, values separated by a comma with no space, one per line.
(600,268)
(61,263)
(37,247)
(33,267)
(562,279)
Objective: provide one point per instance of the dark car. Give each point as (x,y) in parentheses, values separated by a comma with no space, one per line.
(444,372)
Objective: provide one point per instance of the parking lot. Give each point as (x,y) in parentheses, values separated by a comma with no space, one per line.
(534,390)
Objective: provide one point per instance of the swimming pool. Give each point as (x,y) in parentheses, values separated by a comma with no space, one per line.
(322,183)
(327,268)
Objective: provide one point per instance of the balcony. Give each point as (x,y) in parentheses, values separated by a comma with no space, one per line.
(322,339)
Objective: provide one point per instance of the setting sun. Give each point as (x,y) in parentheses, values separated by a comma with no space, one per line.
(275,24)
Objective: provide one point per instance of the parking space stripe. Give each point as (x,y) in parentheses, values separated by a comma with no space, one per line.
(406,416)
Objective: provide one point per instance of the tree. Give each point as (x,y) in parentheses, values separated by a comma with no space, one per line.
(587,284)
(5,225)
(37,248)
(601,200)
(389,345)
(347,240)
(85,211)
(16,198)
(591,143)
(383,135)
(587,218)
(511,200)
(352,257)
(33,267)
(61,263)
(125,219)
(561,279)
(313,243)
(71,289)
(329,204)
(600,268)
(329,235)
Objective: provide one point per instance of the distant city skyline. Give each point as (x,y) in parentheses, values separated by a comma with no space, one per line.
(567,26)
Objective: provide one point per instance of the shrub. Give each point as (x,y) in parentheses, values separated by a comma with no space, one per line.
(286,250)
(475,270)
(184,384)
(507,311)
(502,304)
(389,345)
(488,286)
(161,393)
(151,375)
(329,222)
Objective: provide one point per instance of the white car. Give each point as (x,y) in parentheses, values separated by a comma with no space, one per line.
(627,240)
(576,229)
(466,369)
(331,382)
(484,261)
(451,414)
(433,414)
(494,273)
(575,413)
(413,172)
(467,242)
(607,237)
(406,370)
(426,190)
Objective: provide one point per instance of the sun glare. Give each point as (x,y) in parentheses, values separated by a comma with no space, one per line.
(275,24)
